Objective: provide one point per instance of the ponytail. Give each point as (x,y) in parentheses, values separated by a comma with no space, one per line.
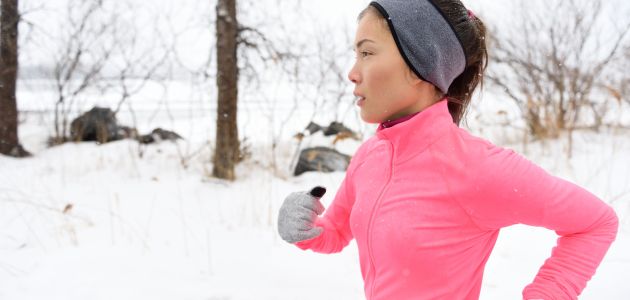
(472,34)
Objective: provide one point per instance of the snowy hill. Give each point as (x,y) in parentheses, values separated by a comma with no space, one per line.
(148,228)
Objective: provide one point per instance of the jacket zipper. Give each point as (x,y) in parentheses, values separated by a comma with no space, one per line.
(376,207)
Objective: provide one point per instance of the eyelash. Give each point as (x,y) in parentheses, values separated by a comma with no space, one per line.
(363,54)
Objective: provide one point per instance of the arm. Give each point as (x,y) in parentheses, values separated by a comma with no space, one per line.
(335,222)
(510,189)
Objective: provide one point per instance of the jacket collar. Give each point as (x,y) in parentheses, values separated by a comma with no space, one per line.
(416,134)
(392,123)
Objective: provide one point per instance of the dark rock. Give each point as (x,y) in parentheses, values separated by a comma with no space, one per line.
(99,124)
(127,132)
(313,127)
(321,159)
(158,135)
(336,128)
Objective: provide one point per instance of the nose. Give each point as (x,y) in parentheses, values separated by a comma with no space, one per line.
(354,75)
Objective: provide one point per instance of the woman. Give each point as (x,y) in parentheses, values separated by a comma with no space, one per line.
(424,199)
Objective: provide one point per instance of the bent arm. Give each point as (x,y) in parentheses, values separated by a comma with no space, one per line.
(513,190)
(335,222)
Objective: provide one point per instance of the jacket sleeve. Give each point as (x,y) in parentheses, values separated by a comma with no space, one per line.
(336,219)
(510,189)
(335,222)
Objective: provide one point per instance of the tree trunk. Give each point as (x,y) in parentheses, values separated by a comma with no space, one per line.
(227,144)
(9,19)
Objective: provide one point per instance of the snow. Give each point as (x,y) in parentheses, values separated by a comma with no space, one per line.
(148,222)
(149,228)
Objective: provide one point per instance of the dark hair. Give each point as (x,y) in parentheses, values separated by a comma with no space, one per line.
(471,32)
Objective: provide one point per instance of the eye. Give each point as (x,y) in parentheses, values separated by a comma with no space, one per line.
(363,54)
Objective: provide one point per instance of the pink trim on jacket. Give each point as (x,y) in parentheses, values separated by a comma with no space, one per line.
(425,201)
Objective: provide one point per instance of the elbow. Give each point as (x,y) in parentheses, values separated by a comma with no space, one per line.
(614,222)
(604,229)
(609,224)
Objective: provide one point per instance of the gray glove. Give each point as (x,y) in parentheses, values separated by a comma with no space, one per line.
(298,213)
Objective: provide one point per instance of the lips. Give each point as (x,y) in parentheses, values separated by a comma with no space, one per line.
(360,99)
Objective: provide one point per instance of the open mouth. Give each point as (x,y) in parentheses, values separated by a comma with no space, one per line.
(360,101)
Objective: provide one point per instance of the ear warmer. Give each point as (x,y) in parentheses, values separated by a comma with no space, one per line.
(425,39)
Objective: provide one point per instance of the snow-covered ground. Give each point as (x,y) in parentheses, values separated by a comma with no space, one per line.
(124,221)
(151,227)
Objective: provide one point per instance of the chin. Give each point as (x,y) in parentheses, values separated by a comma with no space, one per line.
(370,119)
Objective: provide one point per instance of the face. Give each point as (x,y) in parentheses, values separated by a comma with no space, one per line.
(384,84)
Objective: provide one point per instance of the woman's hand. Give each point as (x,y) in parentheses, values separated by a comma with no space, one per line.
(298,213)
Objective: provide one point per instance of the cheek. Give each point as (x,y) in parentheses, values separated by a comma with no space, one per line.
(379,95)
(385,85)
(385,80)
(379,78)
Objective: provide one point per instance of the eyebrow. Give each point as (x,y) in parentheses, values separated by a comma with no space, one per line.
(363,41)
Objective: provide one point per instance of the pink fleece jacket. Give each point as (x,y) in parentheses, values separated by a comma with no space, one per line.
(425,201)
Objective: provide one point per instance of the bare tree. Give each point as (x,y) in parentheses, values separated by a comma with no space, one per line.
(554,68)
(264,60)
(9,20)
(274,55)
(135,64)
(80,60)
(227,144)
(620,87)
(282,57)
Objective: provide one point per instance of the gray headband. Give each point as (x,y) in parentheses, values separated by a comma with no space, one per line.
(426,41)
